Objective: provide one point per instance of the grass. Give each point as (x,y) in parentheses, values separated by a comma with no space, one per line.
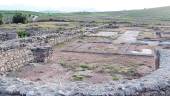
(41,25)
(22,33)
(78,77)
(115,78)
(146,35)
(128,71)
(118,69)
(153,15)
(62,63)
(84,66)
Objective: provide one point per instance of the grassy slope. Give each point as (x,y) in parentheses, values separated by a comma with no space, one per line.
(153,14)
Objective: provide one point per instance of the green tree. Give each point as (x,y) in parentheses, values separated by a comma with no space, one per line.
(19,18)
(1,17)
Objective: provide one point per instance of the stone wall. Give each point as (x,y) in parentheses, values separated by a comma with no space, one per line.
(4,36)
(14,57)
(17,52)
(154,84)
(41,54)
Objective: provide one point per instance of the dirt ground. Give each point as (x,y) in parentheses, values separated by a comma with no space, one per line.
(91,68)
(87,67)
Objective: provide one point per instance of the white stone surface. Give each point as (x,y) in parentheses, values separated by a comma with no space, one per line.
(104,34)
(143,52)
(127,37)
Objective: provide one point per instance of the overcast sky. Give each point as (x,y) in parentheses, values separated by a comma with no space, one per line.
(80,5)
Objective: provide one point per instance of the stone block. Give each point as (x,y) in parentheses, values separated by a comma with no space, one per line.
(41,53)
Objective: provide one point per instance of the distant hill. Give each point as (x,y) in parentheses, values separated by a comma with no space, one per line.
(144,15)
(152,14)
(51,11)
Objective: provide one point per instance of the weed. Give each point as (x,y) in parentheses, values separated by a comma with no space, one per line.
(77,77)
(84,66)
(22,34)
(115,78)
(62,63)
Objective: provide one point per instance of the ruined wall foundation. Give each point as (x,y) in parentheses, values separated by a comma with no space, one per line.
(17,53)
(154,84)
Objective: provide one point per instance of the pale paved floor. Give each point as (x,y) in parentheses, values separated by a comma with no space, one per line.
(127,37)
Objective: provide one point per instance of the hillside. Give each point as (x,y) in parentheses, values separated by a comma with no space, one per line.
(153,14)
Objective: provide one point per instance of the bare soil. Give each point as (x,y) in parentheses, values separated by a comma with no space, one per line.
(88,67)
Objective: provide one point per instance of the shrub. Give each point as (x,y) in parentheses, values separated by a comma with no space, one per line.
(1,17)
(19,18)
(84,66)
(115,78)
(78,77)
(63,64)
(23,34)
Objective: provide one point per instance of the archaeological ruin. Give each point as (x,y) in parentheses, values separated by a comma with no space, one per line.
(102,60)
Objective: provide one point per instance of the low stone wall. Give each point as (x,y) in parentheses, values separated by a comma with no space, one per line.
(4,36)
(13,57)
(17,52)
(54,39)
(154,84)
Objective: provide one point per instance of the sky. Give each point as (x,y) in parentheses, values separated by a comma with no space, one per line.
(80,5)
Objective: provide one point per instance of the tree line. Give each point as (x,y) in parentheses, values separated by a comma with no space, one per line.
(17,18)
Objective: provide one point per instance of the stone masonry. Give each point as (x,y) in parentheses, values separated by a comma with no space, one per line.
(7,36)
(41,53)
(16,53)
(154,84)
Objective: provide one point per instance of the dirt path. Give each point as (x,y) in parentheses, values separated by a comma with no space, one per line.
(127,37)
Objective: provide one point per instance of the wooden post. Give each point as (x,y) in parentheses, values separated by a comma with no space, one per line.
(157,58)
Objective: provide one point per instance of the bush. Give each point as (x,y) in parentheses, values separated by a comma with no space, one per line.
(115,78)
(84,66)
(1,21)
(23,34)
(78,77)
(19,18)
